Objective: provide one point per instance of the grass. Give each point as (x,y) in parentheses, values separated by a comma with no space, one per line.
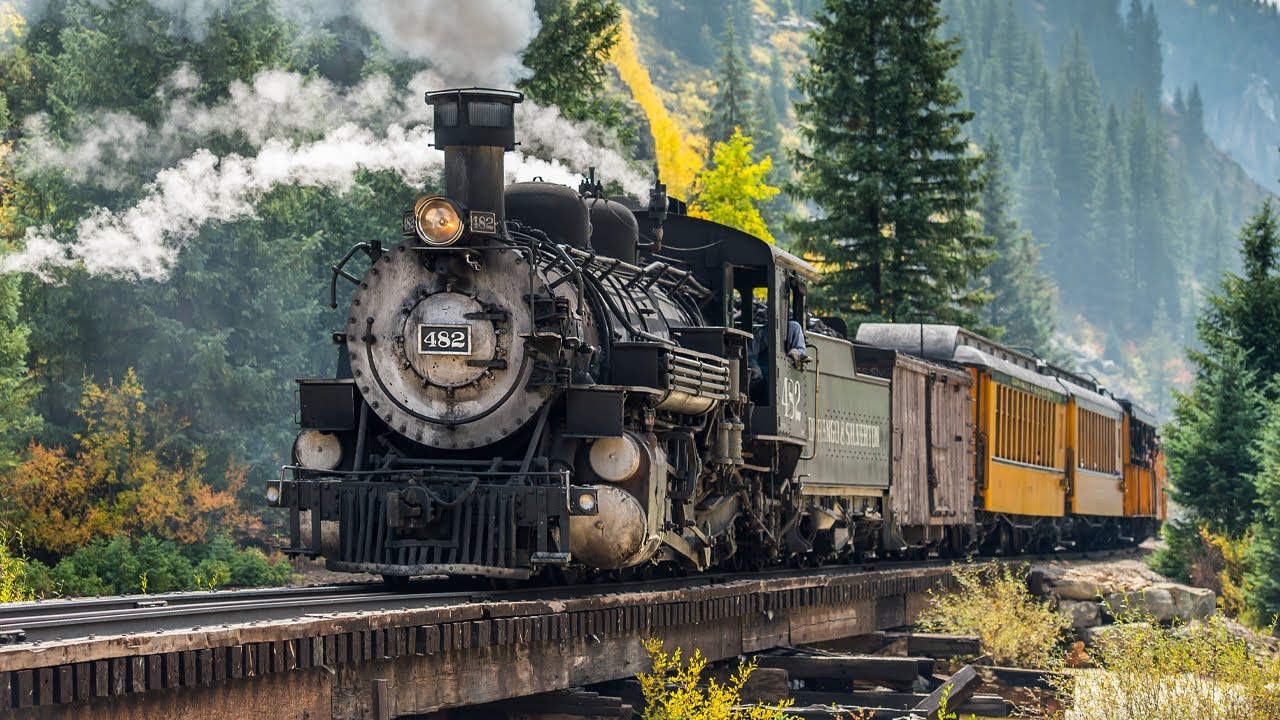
(1202,670)
(1208,670)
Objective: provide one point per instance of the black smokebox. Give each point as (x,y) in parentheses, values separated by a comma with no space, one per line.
(475,127)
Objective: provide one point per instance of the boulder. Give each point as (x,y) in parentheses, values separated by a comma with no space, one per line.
(1083,613)
(1156,601)
(1091,635)
(1075,589)
(1165,602)
(1193,603)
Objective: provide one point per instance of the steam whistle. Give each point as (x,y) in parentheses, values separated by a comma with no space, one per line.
(590,187)
(657,209)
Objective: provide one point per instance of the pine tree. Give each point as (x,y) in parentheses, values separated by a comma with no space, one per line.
(731,191)
(570,55)
(1210,442)
(18,423)
(733,107)
(1142,34)
(886,161)
(1246,311)
(1038,183)
(1263,560)
(1155,218)
(1022,296)
(768,137)
(1077,158)
(778,90)
(1110,240)
(769,144)
(1193,128)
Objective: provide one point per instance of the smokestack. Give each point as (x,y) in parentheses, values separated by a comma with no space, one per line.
(475,127)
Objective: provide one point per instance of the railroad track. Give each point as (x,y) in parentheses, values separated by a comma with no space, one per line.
(46,620)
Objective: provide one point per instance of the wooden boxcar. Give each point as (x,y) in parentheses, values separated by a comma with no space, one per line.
(932,445)
(1019,415)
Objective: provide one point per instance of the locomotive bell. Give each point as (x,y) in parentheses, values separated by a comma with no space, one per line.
(475,127)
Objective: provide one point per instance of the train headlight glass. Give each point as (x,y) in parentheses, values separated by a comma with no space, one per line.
(587,502)
(273,494)
(439,222)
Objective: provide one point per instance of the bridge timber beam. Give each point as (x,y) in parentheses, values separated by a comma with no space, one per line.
(409,662)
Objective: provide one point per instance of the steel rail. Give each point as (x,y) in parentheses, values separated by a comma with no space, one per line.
(60,606)
(42,621)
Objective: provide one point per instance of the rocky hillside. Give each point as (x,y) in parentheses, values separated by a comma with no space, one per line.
(1231,49)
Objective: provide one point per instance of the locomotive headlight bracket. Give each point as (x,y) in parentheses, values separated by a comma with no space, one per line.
(436,220)
(583,500)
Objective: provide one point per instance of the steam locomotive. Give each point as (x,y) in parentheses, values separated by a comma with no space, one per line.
(525,388)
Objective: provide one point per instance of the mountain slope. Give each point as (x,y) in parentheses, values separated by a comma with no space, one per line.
(1231,49)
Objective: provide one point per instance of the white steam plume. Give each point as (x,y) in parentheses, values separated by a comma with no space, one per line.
(472,42)
(544,132)
(110,149)
(468,42)
(143,241)
(289,120)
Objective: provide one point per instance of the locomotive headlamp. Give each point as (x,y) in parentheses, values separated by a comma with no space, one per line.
(317,450)
(438,219)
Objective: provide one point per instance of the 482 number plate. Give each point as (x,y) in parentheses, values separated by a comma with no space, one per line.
(444,339)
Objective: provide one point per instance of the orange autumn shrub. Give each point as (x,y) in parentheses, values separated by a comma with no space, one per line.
(121,477)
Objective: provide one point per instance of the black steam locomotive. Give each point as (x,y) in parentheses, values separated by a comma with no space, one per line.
(539,380)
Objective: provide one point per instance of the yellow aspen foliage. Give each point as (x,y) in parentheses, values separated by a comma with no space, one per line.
(12,25)
(15,585)
(730,192)
(121,478)
(679,152)
(676,690)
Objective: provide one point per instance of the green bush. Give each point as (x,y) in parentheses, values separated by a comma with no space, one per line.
(119,566)
(1015,627)
(1181,548)
(16,572)
(249,567)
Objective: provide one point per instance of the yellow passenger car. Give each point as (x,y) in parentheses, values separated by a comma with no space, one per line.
(1095,473)
(1023,423)
(1144,481)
